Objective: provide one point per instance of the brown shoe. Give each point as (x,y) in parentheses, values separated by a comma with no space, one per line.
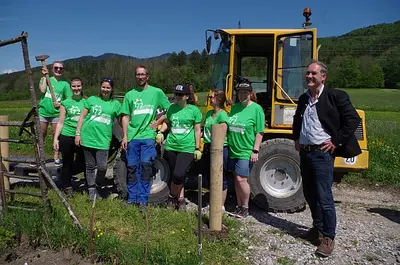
(325,249)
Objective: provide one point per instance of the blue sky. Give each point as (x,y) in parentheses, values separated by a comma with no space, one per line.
(72,28)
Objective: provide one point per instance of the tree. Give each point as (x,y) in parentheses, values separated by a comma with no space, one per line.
(372,75)
(344,72)
(390,62)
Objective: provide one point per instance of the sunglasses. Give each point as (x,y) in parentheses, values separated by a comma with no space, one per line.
(107,79)
(58,68)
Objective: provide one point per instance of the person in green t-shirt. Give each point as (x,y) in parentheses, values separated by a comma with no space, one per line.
(139,109)
(94,133)
(182,144)
(245,133)
(64,137)
(49,110)
(215,116)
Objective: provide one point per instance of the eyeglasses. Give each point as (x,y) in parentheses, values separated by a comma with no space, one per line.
(58,68)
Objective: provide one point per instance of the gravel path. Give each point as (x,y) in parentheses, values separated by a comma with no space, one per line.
(368,231)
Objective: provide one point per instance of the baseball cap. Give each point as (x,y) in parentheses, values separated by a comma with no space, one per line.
(244,85)
(181,89)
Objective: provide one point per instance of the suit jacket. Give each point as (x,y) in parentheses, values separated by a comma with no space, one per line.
(338,118)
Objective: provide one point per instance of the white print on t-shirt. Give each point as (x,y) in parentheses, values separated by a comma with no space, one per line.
(142,109)
(236,127)
(177,128)
(98,116)
(48,95)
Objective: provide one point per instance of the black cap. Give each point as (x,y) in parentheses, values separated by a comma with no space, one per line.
(181,89)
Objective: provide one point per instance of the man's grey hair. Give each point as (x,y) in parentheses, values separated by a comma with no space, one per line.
(324,68)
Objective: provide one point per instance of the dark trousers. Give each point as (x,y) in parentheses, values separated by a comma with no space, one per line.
(317,173)
(95,159)
(72,164)
(179,163)
(140,156)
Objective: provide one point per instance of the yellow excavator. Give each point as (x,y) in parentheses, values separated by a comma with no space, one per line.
(275,61)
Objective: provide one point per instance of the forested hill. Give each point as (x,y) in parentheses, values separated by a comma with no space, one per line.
(363,58)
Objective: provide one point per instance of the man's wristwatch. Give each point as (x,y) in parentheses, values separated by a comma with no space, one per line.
(255,151)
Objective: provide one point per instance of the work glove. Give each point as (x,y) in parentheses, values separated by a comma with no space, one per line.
(159,138)
(197,155)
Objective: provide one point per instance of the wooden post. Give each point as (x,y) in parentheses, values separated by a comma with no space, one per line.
(216,171)
(4,149)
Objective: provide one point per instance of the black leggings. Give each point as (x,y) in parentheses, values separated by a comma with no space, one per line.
(179,163)
(70,166)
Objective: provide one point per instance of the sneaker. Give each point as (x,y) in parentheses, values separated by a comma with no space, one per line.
(69,192)
(92,192)
(57,162)
(325,249)
(241,212)
(143,207)
(244,212)
(207,209)
(181,206)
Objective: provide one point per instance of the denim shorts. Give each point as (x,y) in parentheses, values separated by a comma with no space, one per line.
(241,167)
(49,119)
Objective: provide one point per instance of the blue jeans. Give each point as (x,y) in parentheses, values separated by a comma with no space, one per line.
(317,173)
(140,156)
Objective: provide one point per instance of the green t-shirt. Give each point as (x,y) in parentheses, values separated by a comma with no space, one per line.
(243,124)
(73,109)
(181,137)
(141,105)
(62,91)
(221,117)
(97,127)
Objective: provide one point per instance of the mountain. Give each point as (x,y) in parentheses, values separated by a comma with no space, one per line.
(365,57)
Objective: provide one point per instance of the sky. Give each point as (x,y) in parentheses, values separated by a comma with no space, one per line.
(72,28)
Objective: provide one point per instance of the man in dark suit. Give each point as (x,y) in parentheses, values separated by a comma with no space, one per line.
(323,127)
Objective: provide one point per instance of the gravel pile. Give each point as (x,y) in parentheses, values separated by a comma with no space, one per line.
(368,231)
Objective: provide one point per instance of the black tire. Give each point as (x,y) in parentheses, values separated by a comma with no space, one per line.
(275,179)
(159,190)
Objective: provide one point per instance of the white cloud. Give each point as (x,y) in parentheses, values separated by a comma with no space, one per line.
(9,71)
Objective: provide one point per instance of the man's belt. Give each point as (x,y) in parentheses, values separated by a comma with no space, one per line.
(312,147)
